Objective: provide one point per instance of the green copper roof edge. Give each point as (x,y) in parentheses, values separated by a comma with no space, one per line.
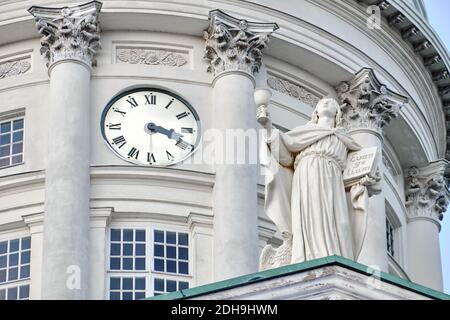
(295,268)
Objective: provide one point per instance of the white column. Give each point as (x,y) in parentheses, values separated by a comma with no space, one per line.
(426,201)
(35,223)
(100,219)
(70,38)
(368,107)
(233,64)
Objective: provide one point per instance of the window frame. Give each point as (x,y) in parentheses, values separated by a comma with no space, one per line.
(11,117)
(149,273)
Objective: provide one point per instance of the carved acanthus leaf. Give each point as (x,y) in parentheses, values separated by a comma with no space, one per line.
(293,90)
(14,68)
(69,33)
(151,57)
(368,104)
(233,44)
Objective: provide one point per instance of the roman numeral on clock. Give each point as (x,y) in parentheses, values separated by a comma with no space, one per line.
(119,141)
(119,111)
(170,103)
(169,156)
(183,144)
(150,99)
(151,158)
(182,115)
(115,126)
(187,130)
(134,153)
(132,101)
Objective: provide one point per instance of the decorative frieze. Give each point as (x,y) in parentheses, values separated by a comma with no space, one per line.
(293,90)
(14,67)
(151,57)
(235,44)
(368,104)
(69,33)
(427,193)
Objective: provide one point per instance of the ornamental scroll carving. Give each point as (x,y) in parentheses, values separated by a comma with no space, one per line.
(293,90)
(14,68)
(151,57)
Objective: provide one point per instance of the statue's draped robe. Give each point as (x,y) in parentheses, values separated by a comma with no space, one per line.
(305,193)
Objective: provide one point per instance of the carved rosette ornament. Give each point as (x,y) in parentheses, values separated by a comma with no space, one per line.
(69,33)
(368,104)
(234,44)
(427,194)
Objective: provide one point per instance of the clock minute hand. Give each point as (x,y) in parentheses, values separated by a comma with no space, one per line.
(171,134)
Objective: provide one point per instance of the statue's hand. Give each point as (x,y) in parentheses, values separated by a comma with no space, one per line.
(263,118)
(372,183)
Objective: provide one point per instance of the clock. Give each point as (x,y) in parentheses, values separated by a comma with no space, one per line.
(151,126)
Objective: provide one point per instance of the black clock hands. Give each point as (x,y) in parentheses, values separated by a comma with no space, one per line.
(171,134)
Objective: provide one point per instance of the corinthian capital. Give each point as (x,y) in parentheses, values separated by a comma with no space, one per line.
(69,33)
(427,194)
(234,44)
(368,104)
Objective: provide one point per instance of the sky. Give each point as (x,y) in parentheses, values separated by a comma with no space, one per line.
(438,11)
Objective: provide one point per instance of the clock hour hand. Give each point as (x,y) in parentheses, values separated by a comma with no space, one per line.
(171,134)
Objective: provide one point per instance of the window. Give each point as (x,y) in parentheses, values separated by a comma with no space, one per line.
(146,262)
(15,269)
(11,142)
(390,238)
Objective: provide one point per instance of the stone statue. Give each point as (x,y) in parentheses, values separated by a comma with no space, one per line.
(305,193)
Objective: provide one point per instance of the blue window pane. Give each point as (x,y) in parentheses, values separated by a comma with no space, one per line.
(13,259)
(115,235)
(17,148)
(183,268)
(127,249)
(183,253)
(140,235)
(182,285)
(128,235)
(115,249)
(139,284)
(171,252)
(159,285)
(127,296)
(139,263)
(139,295)
(17,159)
(25,257)
(4,162)
(18,124)
(114,283)
(3,247)
(127,263)
(114,296)
(24,292)
(5,127)
(13,274)
(183,239)
(171,266)
(171,237)
(159,265)
(3,294)
(18,136)
(25,272)
(5,139)
(26,243)
(140,249)
(159,236)
(171,286)
(115,263)
(12,293)
(2,261)
(127,283)
(3,276)
(14,245)
(159,250)
(5,150)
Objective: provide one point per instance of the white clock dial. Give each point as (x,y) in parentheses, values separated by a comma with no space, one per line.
(149,126)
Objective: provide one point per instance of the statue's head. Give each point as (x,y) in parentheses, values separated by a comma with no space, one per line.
(329,108)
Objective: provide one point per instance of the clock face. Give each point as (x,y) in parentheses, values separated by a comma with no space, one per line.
(149,126)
